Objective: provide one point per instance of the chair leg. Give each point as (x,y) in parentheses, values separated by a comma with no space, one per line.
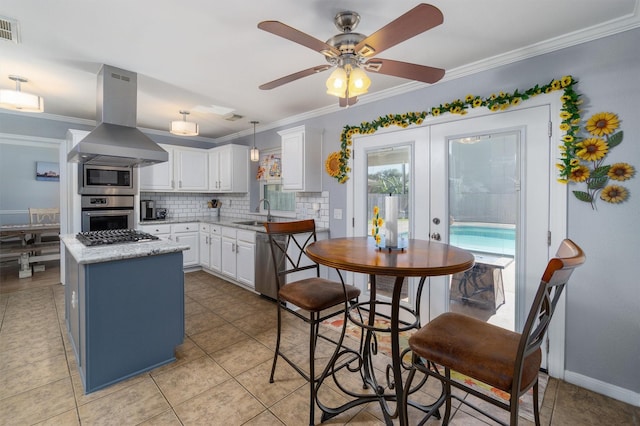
(536,409)
(277,350)
(313,338)
(447,393)
(515,406)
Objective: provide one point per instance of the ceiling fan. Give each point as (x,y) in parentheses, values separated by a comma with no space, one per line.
(350,52)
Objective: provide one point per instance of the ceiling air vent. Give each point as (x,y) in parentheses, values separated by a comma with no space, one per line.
(232,117)
(9,29)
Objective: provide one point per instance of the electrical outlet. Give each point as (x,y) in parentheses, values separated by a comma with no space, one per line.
(337,213)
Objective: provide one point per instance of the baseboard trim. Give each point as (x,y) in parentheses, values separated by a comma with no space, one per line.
(621,394)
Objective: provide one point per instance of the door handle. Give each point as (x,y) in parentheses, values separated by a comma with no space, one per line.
(435,236)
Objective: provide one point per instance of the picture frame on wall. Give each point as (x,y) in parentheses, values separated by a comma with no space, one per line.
(47,171)
(269,167)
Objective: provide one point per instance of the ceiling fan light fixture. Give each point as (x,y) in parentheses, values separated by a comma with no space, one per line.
(337,83)
(254,153)
(18,100)
(359,82)
(184,127)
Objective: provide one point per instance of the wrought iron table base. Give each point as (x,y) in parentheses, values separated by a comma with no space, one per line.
(362,361)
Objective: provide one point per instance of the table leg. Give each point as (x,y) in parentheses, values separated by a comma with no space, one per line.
(396,356)
(25,267)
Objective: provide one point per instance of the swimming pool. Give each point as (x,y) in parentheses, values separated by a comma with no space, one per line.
(486,238)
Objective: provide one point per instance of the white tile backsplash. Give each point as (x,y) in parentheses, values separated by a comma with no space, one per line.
(191,205)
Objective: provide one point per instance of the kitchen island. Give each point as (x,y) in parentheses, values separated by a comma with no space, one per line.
(124,307)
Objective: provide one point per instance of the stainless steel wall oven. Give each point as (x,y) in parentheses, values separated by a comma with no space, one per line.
(105,212)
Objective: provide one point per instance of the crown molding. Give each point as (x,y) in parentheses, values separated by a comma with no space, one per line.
(612,27)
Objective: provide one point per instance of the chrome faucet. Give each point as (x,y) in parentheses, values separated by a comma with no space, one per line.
(269,217)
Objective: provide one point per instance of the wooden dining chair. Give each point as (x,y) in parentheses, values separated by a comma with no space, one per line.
(48,215)
(317,298)
(503,359)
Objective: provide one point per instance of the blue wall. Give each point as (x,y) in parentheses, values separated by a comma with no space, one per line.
(19,188)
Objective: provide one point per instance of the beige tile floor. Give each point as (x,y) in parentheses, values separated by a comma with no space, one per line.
(220,375)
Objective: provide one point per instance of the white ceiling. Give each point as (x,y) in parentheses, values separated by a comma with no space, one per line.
(200,53)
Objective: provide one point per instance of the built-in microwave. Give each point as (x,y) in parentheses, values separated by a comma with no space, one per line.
(107,180)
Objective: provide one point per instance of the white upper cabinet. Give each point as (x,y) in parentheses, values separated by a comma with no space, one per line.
(301,159)
(187,170)
(158,177)
(191,169)
(229,169)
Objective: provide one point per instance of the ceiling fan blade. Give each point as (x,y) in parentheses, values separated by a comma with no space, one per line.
(295,76)
(345,102)
(418,20)
(404,70)
(290,33)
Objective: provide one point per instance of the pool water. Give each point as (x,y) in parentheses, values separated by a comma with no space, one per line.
(484,238)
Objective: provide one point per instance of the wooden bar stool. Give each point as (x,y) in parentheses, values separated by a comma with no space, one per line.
(318,297)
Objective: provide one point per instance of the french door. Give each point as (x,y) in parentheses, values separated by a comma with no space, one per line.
(480,182)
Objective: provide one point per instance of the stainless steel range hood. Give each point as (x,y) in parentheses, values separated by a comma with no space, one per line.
(116,141)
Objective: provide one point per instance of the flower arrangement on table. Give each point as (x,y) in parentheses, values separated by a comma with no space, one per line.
(376,223)
(586,157)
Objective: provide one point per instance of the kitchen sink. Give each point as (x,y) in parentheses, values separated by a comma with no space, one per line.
(250,223)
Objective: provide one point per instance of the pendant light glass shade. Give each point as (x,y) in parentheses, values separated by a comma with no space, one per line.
(254,153)
(184,127)
(337,83)
(18,100)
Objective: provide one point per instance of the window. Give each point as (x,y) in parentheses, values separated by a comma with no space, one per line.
(281,203)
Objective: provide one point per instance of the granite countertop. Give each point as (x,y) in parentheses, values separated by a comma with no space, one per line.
(223,221)
(110,252)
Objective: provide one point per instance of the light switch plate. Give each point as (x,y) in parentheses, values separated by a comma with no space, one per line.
(337,213)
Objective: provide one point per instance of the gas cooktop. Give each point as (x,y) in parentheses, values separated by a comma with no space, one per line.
(114,236)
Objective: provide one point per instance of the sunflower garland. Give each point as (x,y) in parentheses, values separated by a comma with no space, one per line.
(496,102)
(592,151)
(574,151)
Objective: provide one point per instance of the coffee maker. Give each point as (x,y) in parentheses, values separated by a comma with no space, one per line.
(147,210)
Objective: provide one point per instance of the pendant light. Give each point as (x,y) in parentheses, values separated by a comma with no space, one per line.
(184,127)
(18,100)
(255,154)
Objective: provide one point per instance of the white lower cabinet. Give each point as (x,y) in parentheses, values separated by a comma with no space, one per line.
(204,245)
(245,260)
(187,233)
(215,256)
(238,255)
(210,246)
(159,230)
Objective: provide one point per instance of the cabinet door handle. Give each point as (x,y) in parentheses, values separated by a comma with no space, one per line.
(173,184)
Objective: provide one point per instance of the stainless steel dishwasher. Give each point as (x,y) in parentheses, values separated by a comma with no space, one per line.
(266,282)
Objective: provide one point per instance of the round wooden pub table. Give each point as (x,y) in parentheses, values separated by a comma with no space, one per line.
(420,258)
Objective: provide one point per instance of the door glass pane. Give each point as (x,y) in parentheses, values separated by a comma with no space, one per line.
(389,173)
(483,207)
